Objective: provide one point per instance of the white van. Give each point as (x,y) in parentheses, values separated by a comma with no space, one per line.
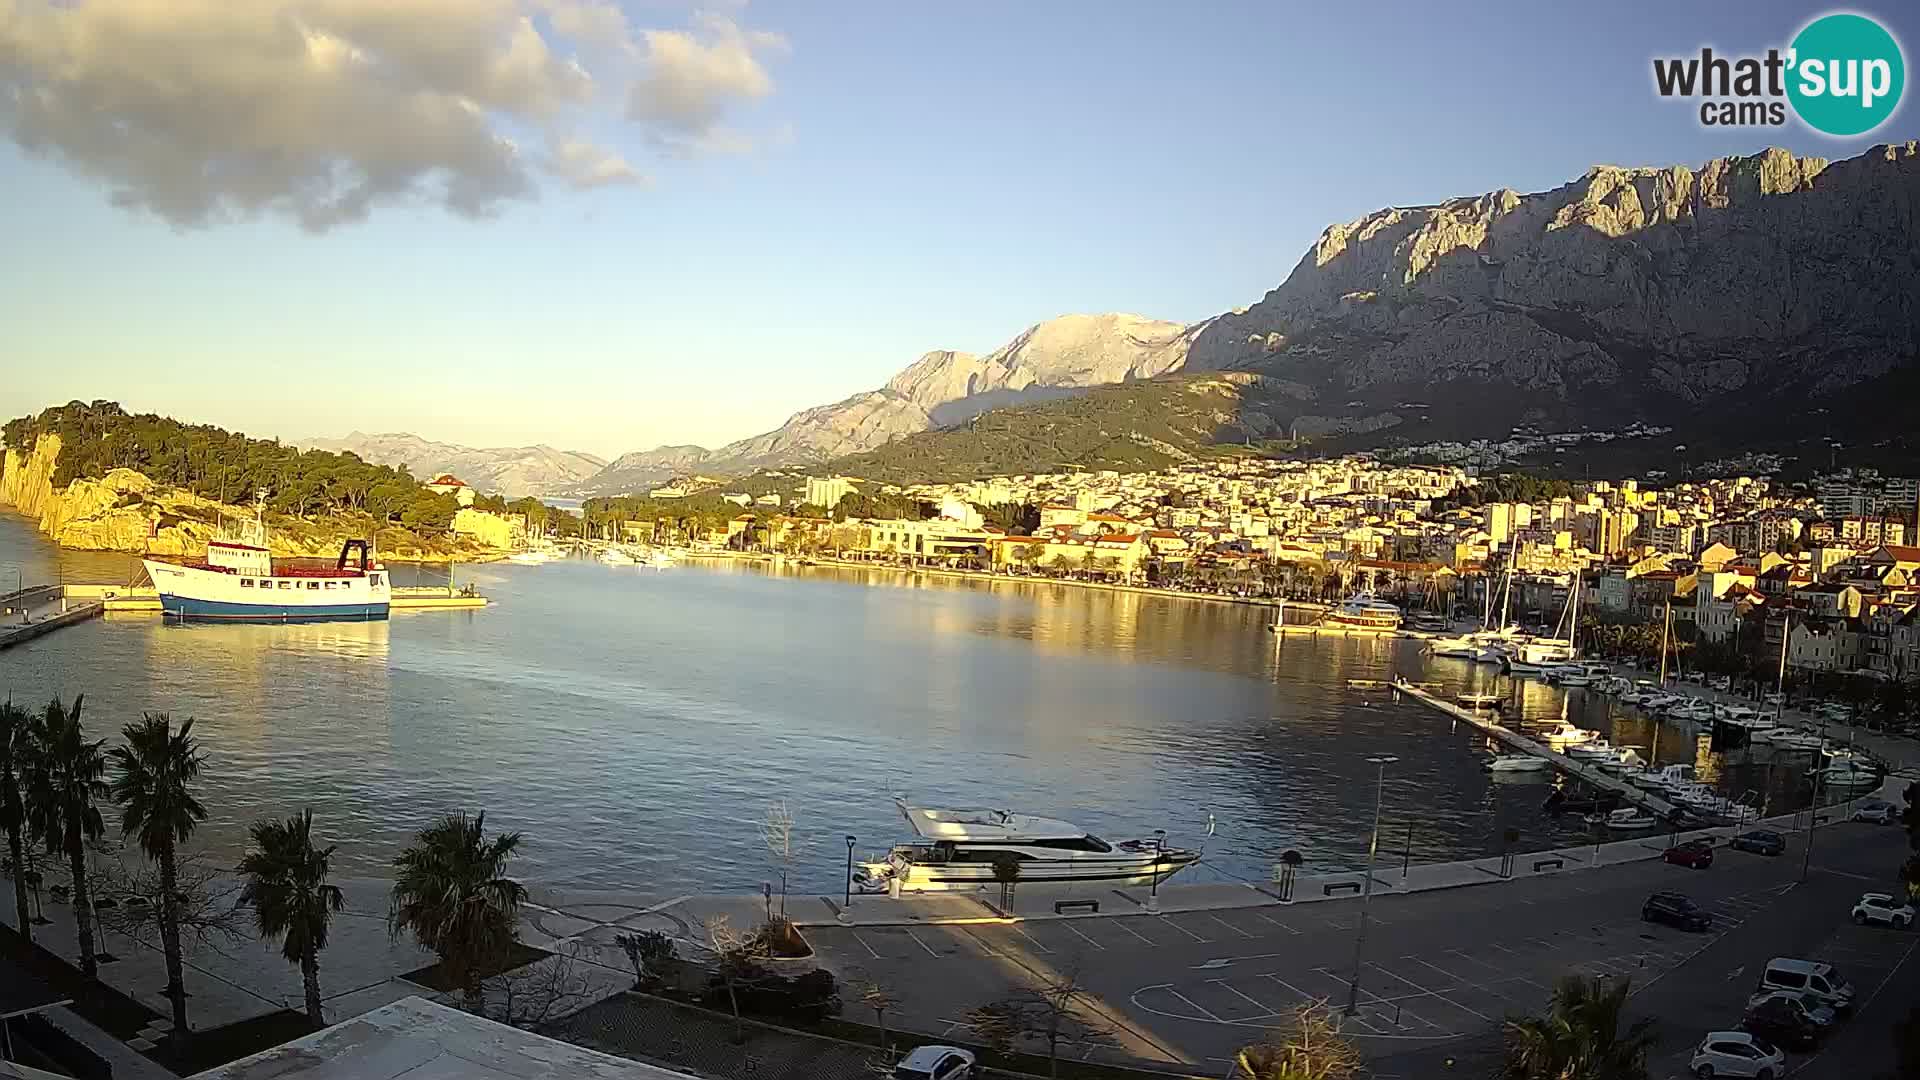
(1815,977)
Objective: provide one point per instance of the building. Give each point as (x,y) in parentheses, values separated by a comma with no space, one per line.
(827,493)
(936,540)
(449,484)
(503,531)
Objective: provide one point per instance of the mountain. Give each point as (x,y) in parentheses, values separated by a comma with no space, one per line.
(1735,303)
(1054,359)
(512,471)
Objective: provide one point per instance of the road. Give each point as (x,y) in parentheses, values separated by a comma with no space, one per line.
(1440,970)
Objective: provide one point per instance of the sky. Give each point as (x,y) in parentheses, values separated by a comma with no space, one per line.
(611,226)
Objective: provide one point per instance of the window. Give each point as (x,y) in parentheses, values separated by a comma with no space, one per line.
(329,586)
(375,580)
(246,583)
(286,584)
(1788,978)
(313,586)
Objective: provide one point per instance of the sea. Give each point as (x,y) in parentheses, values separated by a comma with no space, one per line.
(639,726)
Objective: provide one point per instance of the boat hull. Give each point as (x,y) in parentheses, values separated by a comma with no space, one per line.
(199,593)
(949,877)
(185,607)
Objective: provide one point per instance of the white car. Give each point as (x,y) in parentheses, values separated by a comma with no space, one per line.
(1875,814)
(936,1063)
(1882,908)
(1736,1053)
(1774,698)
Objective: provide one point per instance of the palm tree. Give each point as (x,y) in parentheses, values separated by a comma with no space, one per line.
(1581,1036)
(152,771)
(65,783)
(291,899)
(16,728)
(451,894)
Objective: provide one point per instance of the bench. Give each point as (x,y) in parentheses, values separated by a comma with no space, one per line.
(1338,885)
(1542,864)
(1060,906)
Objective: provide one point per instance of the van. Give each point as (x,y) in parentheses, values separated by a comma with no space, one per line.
(1815,977)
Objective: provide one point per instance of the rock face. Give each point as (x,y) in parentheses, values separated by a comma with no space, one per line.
(1756,283)
(1052,359)
(512,471)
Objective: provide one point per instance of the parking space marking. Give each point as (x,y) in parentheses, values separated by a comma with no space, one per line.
(1368,997)
(1169,921)
(1267,1011)
(1504,976)
(1083,937)
(864,945)
(1122,924)
(1437,994)
(1268,918)
(922,944)
(1230,926)
(1021,930)
(1196,1006)
(1460,982)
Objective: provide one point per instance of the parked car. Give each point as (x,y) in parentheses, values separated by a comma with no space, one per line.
(1736,1053)
(1816,977)
(1774,698)
(1759,842)
(1797,1002)
(1782,1025)
(1875,813)
(935,1063)
(1722,683)
(1675,909)
(1694,854)
(1882,908)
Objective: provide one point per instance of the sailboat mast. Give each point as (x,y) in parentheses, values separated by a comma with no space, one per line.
(1666,626)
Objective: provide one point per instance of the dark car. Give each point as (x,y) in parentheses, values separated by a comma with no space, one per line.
(1778,1022)
(1675,910)
(1759,842)
(1694,854)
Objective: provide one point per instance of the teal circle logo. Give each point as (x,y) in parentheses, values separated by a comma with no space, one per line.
(1847,74)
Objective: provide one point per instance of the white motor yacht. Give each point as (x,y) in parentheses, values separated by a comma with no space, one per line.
(1454,648)
(1362,612)
(1592,750)
(1506,763)
(1567,733)
(958,849)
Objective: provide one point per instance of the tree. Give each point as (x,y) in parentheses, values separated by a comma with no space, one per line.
(649,951)
(152,774)
(453,895)
(1581,1037)
(1006,871)
(879,997)
(1056,1011)
(62,810)
(1312,1050)
(292,900)
(16,729)
(737,959)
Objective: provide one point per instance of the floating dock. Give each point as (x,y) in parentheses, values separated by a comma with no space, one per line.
(1523,744)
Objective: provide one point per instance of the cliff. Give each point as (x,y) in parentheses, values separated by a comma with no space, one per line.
(126,511)
(1057,358)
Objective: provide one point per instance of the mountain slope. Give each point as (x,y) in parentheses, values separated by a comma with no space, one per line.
(511,471)
(1056,358)
(1759,302)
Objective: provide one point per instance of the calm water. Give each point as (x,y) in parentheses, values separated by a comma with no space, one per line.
(636,724)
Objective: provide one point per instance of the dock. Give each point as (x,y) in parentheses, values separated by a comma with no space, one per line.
(28,613)
(1523,744)
(41,609)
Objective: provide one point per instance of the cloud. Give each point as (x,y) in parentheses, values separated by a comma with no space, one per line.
(691,79)
(207,111)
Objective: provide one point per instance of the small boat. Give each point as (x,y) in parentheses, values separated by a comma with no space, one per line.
(1457,648)
(1591,750)
(528,558)
(1478,701)
(616,557)
(1366,684)
(1567,733)
(959,850)
(1849,772)
(1362,612)
(1503,763)
(1626,819)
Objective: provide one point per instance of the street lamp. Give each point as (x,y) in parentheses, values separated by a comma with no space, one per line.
(1153,872)
(1813,812)
(847,900)
(1366,892)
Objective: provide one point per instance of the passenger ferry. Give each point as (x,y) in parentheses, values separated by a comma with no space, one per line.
(960,847)
(1362,612)
(239,581)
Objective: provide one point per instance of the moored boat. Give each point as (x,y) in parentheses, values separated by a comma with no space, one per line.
(240,581)
(1362,612)
(1502,763)
(959,850)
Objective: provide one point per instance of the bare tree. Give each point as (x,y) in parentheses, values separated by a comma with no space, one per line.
(549,989)
(737,959)
(1056,1010)
(1313,1049)
(206,900)
(777,830)
(879,997)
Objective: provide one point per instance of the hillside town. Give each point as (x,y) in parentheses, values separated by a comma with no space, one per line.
(1737,562)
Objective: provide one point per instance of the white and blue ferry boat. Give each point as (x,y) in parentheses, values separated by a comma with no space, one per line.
(238,581)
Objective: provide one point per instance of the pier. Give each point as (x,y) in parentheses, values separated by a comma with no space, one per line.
(28,613)
(1523,744)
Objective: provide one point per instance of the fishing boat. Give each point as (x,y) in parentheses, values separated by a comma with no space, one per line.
(238,580)
(958,849)
(1362,612)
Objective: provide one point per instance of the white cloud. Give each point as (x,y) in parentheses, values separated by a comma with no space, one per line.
(204,111)
(691,79)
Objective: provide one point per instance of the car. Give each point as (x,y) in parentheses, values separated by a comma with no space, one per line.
(1782,1025)
(1875,813)
(1799,1003)
(1694,854)
(1722,683)
(936,1063)
(1883,908)
(1774,698)
(1759,842)
(1816,977)
(1675,909)
(1736,1053)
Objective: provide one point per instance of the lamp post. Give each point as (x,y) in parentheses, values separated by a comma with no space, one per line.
(1813,812)
(1366,891)
(847,900)
(1153,872)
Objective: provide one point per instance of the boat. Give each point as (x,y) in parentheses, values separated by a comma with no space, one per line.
(530,557)
(659,560)
(1783,739)
(1568,733)
(1849,772)
(616,557)
(1624,759)
(239,581)
(1455,648)
(958,849)
(1625,819)
(1362,612)
(1503,763)
(1592,750)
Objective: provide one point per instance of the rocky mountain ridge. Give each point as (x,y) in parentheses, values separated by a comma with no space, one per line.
(1055,358)
(512,471)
